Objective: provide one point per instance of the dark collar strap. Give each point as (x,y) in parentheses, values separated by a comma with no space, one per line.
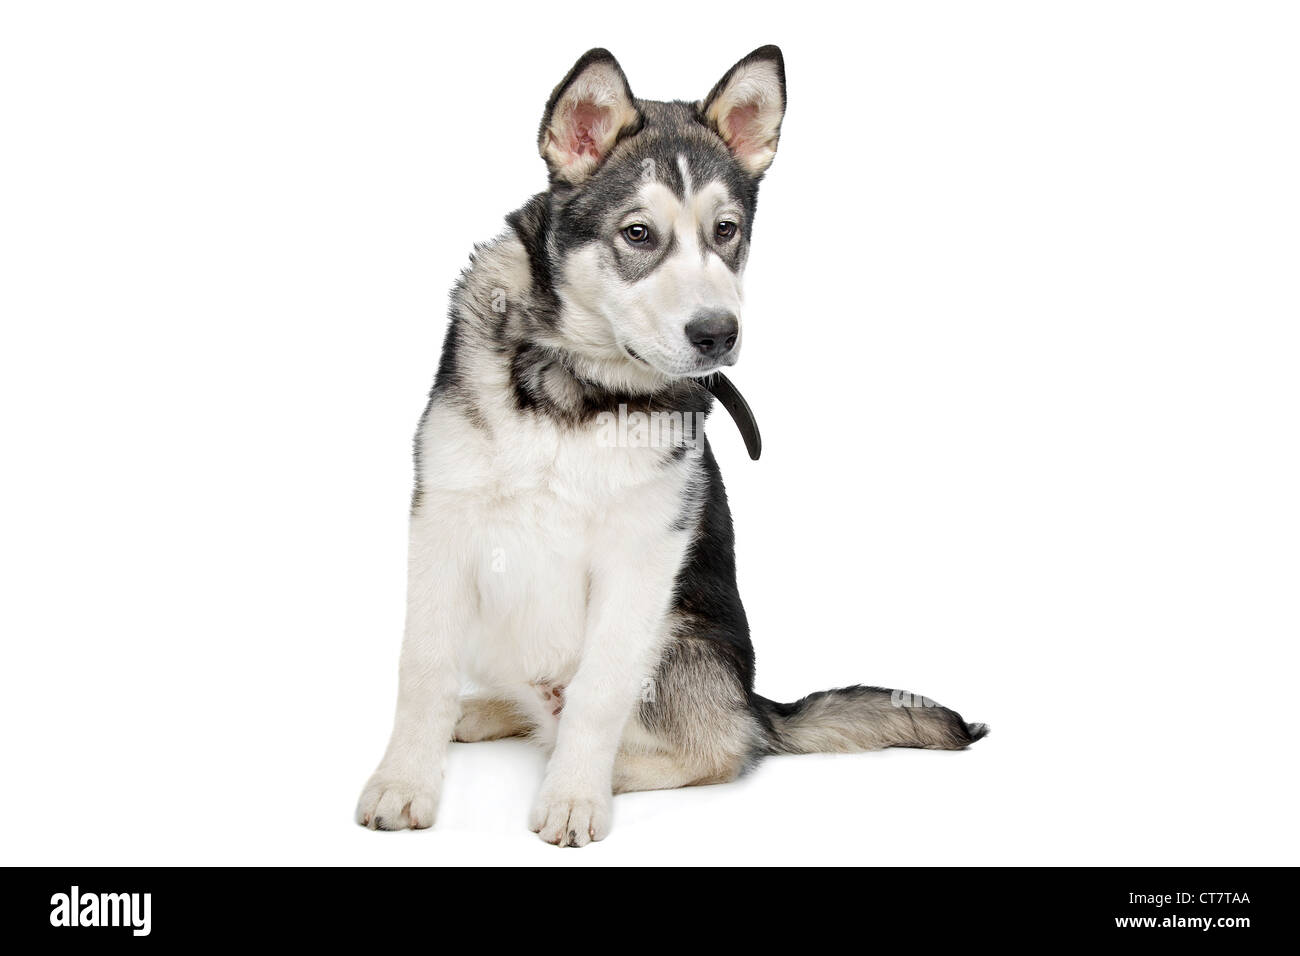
(738,408)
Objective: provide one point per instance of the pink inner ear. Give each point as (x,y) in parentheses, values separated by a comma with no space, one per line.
(587,127)
(744,130)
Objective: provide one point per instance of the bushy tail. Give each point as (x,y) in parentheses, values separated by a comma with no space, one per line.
(853,719)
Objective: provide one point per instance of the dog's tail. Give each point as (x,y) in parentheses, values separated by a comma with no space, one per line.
(853,719)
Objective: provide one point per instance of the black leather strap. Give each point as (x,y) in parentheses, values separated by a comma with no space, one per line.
(739,409)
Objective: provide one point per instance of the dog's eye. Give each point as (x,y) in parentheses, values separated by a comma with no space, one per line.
(725,230)
(637,234)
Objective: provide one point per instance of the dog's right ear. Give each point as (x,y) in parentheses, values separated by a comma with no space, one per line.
(588,112)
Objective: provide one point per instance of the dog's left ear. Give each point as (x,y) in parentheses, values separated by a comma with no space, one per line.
(587,113)
(746,108)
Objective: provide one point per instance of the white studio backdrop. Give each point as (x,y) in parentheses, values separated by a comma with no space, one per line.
(1021,334)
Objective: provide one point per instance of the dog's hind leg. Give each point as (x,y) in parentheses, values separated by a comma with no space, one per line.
(667,771)
(694,726)
(489,718)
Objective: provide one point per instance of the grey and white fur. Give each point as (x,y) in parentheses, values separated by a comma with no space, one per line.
(586,588)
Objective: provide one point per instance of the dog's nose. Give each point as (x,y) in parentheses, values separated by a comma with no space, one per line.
(713,332)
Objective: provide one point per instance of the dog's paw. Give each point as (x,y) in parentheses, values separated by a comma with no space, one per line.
(392,802)
(552,695)
(571,820)
(476,725)
(487,719)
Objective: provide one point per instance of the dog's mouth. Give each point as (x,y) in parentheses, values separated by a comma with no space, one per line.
(707,370)
(702,370)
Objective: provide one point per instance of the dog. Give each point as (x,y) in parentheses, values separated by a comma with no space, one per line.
(581,577)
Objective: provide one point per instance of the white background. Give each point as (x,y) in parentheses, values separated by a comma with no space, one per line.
(1021,335)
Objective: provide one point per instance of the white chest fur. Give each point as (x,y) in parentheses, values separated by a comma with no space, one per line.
(535,504)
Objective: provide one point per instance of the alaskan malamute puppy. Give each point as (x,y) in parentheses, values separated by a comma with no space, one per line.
(571,546)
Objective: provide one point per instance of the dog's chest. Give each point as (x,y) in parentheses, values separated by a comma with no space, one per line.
(538,463)
(540,500)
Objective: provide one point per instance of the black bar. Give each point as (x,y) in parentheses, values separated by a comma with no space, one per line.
(1242,906)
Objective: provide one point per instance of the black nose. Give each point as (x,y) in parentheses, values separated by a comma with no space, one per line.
(713,332)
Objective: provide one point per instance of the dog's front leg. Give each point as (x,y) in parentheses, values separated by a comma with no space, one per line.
(404,790)
(626,627)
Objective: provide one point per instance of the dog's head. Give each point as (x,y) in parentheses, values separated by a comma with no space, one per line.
(651,207)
